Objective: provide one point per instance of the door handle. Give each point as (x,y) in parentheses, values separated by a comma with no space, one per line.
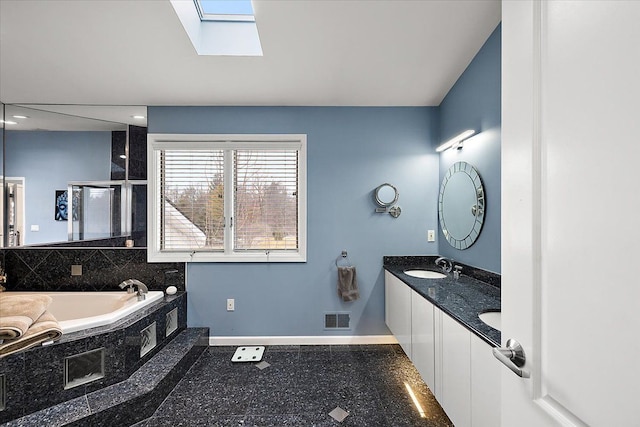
(513,357)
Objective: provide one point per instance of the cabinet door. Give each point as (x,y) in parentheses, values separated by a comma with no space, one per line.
(485,385)
(397,310)
(455,396)
(423,338)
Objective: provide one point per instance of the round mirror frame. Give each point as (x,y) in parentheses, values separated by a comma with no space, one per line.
(382,203)
(477,209)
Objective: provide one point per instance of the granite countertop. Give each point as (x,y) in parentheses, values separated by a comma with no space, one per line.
(462,299)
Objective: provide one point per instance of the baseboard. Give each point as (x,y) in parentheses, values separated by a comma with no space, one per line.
(303,340)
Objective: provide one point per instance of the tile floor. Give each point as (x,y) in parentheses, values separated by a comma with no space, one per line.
(299,388)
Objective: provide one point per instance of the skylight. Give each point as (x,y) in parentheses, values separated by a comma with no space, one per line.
(225,10)
(220,27)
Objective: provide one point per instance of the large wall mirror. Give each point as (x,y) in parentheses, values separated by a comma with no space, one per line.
(74,176)
(461,205)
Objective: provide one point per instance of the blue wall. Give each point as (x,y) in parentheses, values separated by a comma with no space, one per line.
(474,103)
(350,151)
(47,161)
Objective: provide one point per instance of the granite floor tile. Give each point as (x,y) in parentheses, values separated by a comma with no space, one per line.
(206,400)
(58,415)
(214,421)
(270,400)
(299,388)
(274,421)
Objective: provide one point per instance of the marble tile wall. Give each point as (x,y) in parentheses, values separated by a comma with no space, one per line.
(133,399)
(35,378)
(49,269)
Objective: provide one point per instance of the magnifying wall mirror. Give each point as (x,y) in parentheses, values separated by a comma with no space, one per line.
(461,205)
(386,196)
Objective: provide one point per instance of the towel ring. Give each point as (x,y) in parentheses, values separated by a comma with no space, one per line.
(343,257)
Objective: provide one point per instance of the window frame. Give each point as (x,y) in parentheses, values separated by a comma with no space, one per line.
(225,17)
(159,142)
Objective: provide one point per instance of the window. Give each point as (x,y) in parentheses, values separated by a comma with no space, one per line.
(218,27)
(227,198)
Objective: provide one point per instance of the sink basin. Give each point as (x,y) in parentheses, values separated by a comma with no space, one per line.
(492,318)
(424,274)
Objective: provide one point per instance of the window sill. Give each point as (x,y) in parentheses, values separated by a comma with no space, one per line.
(258,257)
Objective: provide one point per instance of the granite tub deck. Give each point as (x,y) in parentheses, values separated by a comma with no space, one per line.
(133,399)
(476,291)
(34,380)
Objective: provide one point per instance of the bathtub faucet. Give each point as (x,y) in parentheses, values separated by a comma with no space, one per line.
(129,284)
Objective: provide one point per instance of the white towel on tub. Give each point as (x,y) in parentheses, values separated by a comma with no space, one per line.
(46,328)
(19,312)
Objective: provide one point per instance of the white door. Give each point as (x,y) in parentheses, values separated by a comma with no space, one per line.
(571,210)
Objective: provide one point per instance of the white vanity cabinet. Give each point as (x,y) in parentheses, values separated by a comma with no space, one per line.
(454,391)
(469,388)
(397,310)
(486,396)
(423,339)
(458,366)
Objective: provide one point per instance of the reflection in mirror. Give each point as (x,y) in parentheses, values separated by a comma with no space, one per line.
(461,205)
(54,151)
(2,222)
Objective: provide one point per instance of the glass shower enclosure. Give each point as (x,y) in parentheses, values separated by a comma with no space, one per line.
(101,209)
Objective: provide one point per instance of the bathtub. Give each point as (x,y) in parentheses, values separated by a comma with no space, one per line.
(76,311)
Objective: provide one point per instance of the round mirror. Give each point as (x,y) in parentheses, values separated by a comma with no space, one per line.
(386,195)
(461,205)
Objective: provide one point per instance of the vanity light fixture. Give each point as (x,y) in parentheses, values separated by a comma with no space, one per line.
(456,141)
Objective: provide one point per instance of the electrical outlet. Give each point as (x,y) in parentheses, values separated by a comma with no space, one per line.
(231,304)
(431,236)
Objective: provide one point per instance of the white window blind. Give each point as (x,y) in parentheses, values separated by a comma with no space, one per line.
(265,200)
(192,199)
(227,198)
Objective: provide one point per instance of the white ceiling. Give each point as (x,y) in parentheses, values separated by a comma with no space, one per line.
(316,52)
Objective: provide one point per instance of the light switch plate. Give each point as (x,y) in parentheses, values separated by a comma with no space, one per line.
(431,236)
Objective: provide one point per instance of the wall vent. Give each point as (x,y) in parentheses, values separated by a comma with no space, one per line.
(337,320)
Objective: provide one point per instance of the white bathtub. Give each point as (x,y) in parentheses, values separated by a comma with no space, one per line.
(76,311)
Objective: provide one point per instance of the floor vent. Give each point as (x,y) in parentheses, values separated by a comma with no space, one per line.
(337,320)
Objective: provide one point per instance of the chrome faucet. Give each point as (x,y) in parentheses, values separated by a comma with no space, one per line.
(457,269)
(445,264)
(129,284)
